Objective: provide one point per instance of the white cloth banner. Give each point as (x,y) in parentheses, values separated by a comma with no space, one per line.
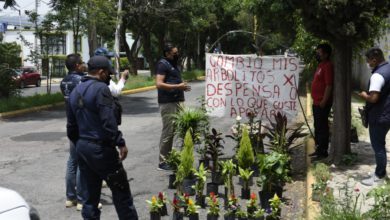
(238,84)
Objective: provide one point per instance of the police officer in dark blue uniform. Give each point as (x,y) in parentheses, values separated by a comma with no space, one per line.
(74,65)
(93,125)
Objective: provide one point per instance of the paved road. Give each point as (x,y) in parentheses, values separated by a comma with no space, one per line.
(32,90)
(34,151)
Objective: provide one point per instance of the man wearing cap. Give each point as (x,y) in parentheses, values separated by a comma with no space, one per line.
(115,88)
(92,124)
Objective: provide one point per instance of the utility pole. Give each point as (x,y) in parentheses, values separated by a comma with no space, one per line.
(20,36)
(117,35)
(36,34)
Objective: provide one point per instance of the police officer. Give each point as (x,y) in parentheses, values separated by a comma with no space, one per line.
(93,126)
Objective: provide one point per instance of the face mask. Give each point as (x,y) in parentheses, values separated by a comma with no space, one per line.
(318,58)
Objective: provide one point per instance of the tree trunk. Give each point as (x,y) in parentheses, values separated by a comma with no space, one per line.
(131,54)
(148,52)
(92,38)
(341,131)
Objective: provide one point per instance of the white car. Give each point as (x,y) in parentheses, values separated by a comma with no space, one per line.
(14,207)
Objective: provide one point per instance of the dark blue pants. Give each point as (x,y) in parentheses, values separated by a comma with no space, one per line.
(96,163)
(378,141)
(321,128)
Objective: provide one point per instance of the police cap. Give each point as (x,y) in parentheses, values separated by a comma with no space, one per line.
(100,62)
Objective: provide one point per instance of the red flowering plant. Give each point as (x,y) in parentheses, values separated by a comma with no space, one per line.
(232,205)
(213,203)
(252,204)
(162,199)
(191,207)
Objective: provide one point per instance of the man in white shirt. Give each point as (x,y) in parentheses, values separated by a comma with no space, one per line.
(378,111)
(115,88)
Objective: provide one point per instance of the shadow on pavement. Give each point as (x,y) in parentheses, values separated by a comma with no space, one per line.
(138,105)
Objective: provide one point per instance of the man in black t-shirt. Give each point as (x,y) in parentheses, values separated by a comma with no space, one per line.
(171,90)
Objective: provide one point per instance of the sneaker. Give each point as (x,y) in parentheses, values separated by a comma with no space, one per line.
(104,184)
(70,203)
(164,166)
(80,206)
(320,156)
(373,180)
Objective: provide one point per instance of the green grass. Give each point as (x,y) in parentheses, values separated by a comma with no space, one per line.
(193,74)
(135,82)
(17,103)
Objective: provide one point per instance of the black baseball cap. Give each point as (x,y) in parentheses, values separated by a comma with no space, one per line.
(100,62)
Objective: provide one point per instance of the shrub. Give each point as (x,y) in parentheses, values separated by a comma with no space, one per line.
(186,169)
(8,86)
(245,154)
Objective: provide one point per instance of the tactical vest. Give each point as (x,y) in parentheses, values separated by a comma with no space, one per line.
(379,112)
(172,76)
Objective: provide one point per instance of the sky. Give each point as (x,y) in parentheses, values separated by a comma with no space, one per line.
(25,5)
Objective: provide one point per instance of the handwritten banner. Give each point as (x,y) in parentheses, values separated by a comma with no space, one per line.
(238,84)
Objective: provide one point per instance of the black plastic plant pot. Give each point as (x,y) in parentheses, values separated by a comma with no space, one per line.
(200,201)
(163,210)
(155,216)
(229,217)
(245,193)
(212,187)
(212,217)
(255,169)
(217,178)
(172,178)
(177,215)
(251,210)
(265,196)
(194,216)
(256,218)
(242,218)
(187,186)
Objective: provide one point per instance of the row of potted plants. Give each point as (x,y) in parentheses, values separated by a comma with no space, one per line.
(184,206)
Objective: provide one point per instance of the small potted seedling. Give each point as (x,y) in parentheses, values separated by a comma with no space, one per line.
(192,210)
(213,203)
(252,205)
(154,208)
(199,186)
(245,176)
(162,199)
(231,208)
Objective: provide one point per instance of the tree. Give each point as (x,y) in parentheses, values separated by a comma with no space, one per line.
(8,3)
(347,25)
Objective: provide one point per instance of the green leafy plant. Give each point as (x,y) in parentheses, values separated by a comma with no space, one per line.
(241,214)
(8,86)
(232,205)
(190,118)
(236,132)
(213,204)
(259,213)
(245,156)
(245,176)
(275,204)
(228,171)
(201,180)
(283,139)
(321,175)
(214,148)
(191,207)
(154,205)
(274,170)
(173,159)
(347,207)
(381,207)
(185,169)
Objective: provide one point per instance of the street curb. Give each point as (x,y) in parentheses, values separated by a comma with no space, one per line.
(32,109)
(312,208)
(44,107)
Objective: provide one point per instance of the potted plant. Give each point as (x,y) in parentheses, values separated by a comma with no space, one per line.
(185,174)
(213,203)
(213,152)
(245,156)
(189,118)
(177,204)
(252,205)
(274,173)
(228,171)
(231,208)
(241,215)
(162,199)
(236,130)
(154,208)
(192,210)
(245,176)
(199,186)
(173,161)
(275,204)
(258,214)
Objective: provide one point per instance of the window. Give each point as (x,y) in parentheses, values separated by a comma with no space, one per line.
(53,44)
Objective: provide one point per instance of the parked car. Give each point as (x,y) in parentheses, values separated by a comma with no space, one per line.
(13,206)
(27,76)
